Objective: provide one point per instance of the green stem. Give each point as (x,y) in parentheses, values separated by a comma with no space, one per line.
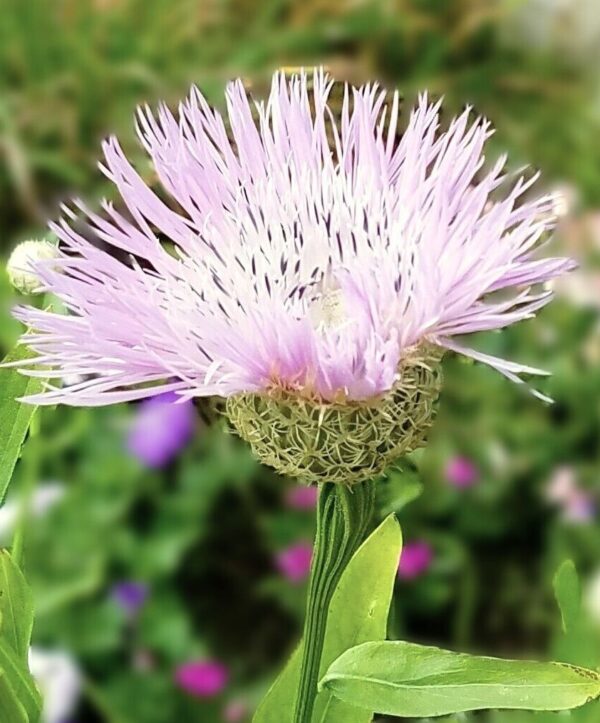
(343,514)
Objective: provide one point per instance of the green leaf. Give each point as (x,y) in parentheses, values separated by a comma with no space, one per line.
(402,487)
(15,417)
(579,642)
(21,682)
(278,702)
(16,622)
(358,612)
(16,608)
(568,594)
(404,679)
(11,710)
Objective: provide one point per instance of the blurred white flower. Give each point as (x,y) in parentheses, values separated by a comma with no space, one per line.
(582,289)
(571,27)
(591,597)
(59,679)
(579,234)
(44,498)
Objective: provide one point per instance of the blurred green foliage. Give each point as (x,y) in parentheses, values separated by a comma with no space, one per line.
(203,532)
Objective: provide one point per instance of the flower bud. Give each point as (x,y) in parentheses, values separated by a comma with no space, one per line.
(21,264)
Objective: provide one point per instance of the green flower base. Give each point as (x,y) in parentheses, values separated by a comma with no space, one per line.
(347,442)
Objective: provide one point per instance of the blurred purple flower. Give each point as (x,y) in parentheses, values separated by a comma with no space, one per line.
(415,559)
(461,472)
(130,595)
(579,507)
(202,678)
(163,426)
(302,497)
(294,562)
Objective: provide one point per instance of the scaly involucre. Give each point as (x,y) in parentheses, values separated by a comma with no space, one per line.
(302,251)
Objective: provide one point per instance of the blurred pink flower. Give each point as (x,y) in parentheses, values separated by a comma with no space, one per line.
(202,678)
(575,504)
(235,711)
(561,485)
(461,472)
(415,559)
(302,497)
(294,562)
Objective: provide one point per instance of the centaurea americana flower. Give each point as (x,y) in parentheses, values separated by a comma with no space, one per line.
(310,270)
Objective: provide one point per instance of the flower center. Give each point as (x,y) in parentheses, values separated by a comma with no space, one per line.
(327,310)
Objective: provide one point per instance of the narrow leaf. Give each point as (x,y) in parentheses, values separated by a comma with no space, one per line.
(568,595)
(16,608)
(21,682)
(11,710)
(358,612)
(277,704)
(15,417)
(404,679)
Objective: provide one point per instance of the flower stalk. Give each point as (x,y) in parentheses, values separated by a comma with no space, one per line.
(343,514)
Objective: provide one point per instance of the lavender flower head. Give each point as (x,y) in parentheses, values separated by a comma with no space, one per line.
(318,264)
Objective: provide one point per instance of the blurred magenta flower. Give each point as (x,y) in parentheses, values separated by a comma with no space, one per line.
(163,425)
(202,678)
(302,497)
(461,472)
(415,559)
(294,562)
(310,255)
(130,596)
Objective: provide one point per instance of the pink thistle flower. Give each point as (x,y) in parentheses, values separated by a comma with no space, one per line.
(202,678)
(461,472)
(302,497)
(297,263)
(415,559)
(294,562)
